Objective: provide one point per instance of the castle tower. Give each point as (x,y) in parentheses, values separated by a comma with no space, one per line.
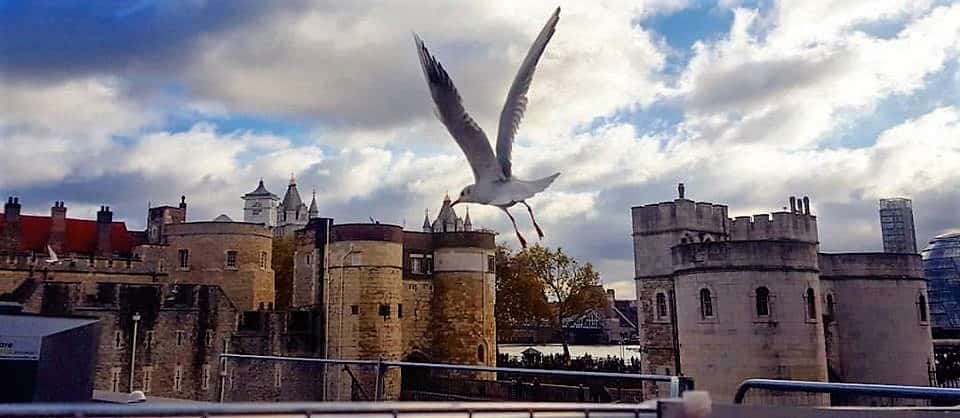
(364,294)
(463,301)
(260,206)
(749,309)
(292,214)
(656,229)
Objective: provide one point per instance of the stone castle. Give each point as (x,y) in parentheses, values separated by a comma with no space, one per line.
(359,291)
(723,300)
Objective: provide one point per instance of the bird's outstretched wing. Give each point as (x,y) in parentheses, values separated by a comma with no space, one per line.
(52,255)
(462,127)
(516,102)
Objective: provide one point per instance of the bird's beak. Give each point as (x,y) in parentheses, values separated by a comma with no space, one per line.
(455,202)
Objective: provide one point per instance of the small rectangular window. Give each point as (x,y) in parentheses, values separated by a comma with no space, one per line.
(115,379)
(178,378)
(231,259)
(491,263)
(209,339)
(148,338)
(385,311)
(159,265)
(416,263)
(278,375)
(263,260)
(184,257)
(355,259)
(147,378)
(399,310)
(355,309)
(179,338)
(205,377)
(428,264)
(308,259)
(118,339)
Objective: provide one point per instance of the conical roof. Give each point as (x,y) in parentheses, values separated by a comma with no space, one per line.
(291,200)
(313,211)
(222,218)
(261,191)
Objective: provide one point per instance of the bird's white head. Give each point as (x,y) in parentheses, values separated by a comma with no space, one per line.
(466,196)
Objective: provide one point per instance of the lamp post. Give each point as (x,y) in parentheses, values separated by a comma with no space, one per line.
(343,262)
(133,347)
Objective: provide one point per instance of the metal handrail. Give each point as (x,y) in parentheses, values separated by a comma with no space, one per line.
(313,408)
(676,389)
(867,389)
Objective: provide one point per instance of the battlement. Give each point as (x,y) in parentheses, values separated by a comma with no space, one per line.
(680,214)
(745,255)
(776,226)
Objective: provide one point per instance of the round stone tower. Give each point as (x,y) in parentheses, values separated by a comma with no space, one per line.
(464,295)
(749,309)
(363,289)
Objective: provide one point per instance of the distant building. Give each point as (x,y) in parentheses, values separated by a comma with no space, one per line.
(722,300)
(941,267)
(447,220)
(293,214)
(896,225)
(260,206)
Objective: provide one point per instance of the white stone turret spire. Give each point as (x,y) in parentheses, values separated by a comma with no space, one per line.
(467,225)
(313,211)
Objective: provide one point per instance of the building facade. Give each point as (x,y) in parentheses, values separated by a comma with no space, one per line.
(941,266)
(722,300)
(361,291)
(260,206)
(896,226)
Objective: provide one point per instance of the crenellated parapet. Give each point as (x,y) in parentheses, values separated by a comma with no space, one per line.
(776,226)
(680,214)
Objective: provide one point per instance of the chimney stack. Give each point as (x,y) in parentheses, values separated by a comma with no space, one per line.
(58,226)
(104,225)
(806,205)
(680,190)
(11,230)
(793,204)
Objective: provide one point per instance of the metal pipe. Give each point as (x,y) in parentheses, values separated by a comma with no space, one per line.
(172,409)
(895,391)
(133,348)
(469,367)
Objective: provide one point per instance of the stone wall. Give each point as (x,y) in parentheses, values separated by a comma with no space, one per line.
(249,284)
(878,318)
(735,342)
(367,281)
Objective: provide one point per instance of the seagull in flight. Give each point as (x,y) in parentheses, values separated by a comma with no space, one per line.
(52,256)
(494,183)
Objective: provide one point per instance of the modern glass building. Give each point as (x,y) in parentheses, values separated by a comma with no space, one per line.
(896,225)
(941,266)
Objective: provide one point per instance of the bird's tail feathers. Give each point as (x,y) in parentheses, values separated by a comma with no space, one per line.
(545,182)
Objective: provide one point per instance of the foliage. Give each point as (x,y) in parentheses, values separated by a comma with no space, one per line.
(538,285)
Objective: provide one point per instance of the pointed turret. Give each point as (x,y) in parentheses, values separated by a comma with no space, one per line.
(426,221)
(467,225)
(313,211)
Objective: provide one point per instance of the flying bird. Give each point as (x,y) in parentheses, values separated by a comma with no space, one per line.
(52,256)
(494,183)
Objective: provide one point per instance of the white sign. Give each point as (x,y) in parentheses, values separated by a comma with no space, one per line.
(19,348)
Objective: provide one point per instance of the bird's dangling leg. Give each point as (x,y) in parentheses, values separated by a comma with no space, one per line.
(523,242)
(535,225)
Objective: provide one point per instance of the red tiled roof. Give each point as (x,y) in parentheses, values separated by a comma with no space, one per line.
(81,235)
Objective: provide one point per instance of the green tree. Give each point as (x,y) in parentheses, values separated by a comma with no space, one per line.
(541,285)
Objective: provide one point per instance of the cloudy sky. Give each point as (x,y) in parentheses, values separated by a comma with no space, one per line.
(129,102)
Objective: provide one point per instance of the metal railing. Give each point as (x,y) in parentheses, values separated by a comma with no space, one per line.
(314,409)
(677,385)
(856,389)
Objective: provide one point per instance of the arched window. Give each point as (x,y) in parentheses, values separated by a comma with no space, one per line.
(763,301)
(481,353)
(706,303)
(922,305)
(811,304)
(661,308)
(830,304)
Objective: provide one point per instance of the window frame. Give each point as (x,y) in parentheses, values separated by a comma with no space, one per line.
(657,315)
(183,259)
(236,259)
(810,304)
(767,296)
(707,304)
(923,309)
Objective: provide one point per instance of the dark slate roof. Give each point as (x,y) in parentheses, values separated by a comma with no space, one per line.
(261,191)
(291,200)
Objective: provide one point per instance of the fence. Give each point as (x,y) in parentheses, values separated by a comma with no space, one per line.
(849,390)
(378,380)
